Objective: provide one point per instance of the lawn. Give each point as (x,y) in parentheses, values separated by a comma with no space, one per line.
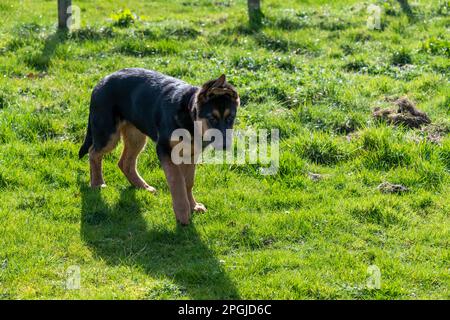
(313,70)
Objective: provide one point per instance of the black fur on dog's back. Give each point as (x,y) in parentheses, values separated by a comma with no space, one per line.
(154,103)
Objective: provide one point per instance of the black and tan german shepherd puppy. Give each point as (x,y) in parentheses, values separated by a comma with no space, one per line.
(138,103)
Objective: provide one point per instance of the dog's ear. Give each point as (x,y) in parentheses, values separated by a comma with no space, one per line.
(217,87)
(219,82)
(215,83)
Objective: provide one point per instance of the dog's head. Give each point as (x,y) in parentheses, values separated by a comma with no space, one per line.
(216,105)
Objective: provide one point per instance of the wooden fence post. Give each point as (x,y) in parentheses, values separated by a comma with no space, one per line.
(63,16)
(254,12)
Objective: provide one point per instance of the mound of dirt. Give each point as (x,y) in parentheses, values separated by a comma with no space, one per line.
(315,176)
(387,187)
(405,113)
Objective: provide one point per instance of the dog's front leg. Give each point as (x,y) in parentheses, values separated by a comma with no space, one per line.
(189,175)
(177,185)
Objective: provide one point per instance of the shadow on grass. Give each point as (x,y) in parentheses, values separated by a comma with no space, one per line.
(271,42)
(120,235)
(42,61)
(406,8)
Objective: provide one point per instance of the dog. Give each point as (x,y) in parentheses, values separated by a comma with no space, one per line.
(136,103)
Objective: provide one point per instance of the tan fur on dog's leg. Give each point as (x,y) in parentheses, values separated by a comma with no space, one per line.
(177,185)
(95,161)
(134,142)
(189,175)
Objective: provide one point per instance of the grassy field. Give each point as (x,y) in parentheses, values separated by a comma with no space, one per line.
(314,71)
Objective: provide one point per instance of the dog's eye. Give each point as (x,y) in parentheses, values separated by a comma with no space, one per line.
(229,119)
(212,119)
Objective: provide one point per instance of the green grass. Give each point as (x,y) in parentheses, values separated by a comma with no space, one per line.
(314,71)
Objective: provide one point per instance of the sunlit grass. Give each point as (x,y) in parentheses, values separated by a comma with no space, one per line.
(314,71)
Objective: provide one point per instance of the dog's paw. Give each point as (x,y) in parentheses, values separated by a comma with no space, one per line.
(184,222)
(150,189)
(98,186)
(199,207)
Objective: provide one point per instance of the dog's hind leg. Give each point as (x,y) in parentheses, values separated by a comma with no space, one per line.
(95,162)
(134,141)
(96,157)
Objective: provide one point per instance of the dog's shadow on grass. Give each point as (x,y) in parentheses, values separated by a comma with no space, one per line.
(120,235)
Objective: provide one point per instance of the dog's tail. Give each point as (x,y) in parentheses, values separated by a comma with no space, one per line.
(87,142)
